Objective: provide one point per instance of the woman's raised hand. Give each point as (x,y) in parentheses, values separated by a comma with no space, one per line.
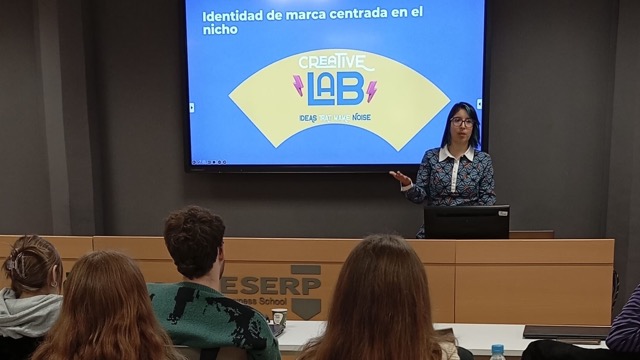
(404,179)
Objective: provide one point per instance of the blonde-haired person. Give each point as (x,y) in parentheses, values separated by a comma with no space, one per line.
(31,305)
(381,308)
(106,314)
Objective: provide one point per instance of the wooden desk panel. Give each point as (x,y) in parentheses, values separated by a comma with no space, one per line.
(70,249)
(138,247)
(477,281)
(442,291)
(323,250)
(263,272)
(159,271)
(560,281)
(530,294)
(540,251)
(150,253)
(275,257)
(276,286)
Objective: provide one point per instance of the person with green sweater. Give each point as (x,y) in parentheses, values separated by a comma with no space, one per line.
(194,312)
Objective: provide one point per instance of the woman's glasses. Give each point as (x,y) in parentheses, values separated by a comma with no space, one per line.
(459,121)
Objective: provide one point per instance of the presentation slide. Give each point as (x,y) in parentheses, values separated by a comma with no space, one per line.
(327,82)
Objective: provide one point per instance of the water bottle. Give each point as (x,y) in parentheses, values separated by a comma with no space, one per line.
(497,352)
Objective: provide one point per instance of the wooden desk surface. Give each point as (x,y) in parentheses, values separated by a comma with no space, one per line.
(477,338)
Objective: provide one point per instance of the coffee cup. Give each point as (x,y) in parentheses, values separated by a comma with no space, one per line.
(279,317)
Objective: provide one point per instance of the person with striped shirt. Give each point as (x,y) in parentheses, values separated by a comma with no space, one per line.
(624,335)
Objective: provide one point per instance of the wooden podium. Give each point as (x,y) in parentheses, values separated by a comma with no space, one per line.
(515,281)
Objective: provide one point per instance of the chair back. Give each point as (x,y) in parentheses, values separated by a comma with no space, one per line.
(188,352)
(556,350)
(232,353)
(224,353)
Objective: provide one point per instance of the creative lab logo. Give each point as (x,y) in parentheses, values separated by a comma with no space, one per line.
(344,87)
(339,86)
(265,290)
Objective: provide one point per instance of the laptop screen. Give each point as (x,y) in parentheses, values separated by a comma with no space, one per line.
(467,222)
(565,332)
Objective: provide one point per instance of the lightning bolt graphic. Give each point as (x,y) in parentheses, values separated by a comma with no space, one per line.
(297,83)
(371,90)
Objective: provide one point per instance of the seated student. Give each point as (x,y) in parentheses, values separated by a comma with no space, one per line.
(106,314)
(557,350)
(193,311)
(625,329)
(381,308)
(30,307)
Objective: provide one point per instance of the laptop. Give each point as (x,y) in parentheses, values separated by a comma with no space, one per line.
(560,332)
(467,222)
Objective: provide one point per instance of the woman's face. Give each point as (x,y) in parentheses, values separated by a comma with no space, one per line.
(461,127)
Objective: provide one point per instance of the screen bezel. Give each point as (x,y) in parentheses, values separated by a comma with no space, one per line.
(315,168)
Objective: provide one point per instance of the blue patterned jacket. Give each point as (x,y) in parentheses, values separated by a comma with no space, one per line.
(474,181)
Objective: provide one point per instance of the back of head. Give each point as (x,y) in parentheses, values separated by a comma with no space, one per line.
(193,236)
(106,313)
(103,286)
(380,307)
(30,266)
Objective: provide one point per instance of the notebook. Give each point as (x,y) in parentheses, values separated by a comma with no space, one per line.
(565,332)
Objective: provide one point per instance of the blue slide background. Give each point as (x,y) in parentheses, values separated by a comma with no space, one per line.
(445,45)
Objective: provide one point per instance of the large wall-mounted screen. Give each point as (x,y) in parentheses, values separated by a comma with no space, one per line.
(326,85)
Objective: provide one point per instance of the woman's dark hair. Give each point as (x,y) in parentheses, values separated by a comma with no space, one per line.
(474,140)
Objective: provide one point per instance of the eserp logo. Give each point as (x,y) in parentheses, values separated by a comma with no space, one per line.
(339,86)
(274,290)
